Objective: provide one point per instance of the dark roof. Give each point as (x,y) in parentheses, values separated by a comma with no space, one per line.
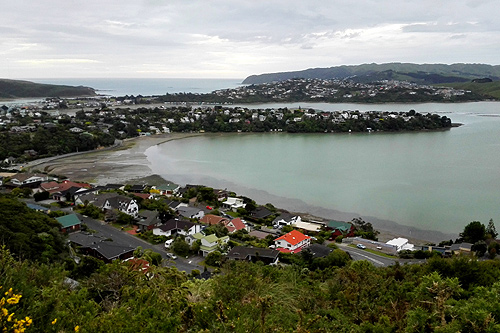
(261,212)
(176,224)
(113,186)
(286,216)
(247,253)
(148,217)
(319,250)
(137,188)
(173,204)
(107,249)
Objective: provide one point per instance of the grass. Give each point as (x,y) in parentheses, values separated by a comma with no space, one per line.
(233,214)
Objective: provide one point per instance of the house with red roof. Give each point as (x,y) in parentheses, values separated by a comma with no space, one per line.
(292,242)
(235,225)
(212,219)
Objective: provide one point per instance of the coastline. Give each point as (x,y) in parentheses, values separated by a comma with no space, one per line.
(128,163)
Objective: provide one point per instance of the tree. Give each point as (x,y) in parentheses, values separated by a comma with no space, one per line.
(180,247)
(214,259)
(473,232)
(43,195)
(491,230)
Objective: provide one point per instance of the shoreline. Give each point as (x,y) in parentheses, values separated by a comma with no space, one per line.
(128,163)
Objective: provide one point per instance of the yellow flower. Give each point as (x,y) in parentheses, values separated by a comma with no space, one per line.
(10,316)
(54,321)
(5,312)
(77,328)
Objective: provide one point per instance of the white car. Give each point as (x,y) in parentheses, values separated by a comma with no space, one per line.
(171,256)
(361,246)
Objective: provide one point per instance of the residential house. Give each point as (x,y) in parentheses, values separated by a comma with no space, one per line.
(32,180)
(177,226)
(233,204)
(63,191)
(221,195)
(293,241)
(253,254)
(148,220)
(168,189)
(191,239)
(235,225)
(261,212)
(460,248)
(190,212)
(339,228)
(100,247)
(108,201)
(286,218)
(211,243)
(69,223)
(214,219)
(401,244)
(38,208)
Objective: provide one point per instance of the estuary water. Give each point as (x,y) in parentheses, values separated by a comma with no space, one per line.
(437,181)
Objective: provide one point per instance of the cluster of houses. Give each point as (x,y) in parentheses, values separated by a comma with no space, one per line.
(190,220)
(334,88)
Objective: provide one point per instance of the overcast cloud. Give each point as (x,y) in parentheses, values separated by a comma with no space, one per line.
(234,39)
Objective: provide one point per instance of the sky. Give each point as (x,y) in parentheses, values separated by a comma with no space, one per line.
(237,38)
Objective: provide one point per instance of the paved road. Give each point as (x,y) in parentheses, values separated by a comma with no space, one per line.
(125,238)
(359,254)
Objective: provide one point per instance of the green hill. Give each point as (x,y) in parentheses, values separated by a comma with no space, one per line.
(485,89)
(418,73)
(22,89)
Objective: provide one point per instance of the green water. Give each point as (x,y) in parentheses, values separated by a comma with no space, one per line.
(429,180)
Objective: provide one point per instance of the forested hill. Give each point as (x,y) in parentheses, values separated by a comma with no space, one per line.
(418,73)
(21,89)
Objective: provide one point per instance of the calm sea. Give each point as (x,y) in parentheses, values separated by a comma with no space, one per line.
(146,87)
(429,180)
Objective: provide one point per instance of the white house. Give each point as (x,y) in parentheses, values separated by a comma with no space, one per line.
(190,212)
(401,244)
(176,226)
(28,178)
(294,241)
(286,219)
(233,203)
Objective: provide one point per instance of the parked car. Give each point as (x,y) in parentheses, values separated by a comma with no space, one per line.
(361,246)
(171,256)
(168,243)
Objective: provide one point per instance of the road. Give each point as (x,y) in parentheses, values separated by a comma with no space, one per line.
(359,254)
(108,231)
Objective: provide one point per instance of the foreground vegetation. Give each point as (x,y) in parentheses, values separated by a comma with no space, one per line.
(441,296)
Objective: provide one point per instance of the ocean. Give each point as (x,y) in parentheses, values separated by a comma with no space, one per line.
(145,87)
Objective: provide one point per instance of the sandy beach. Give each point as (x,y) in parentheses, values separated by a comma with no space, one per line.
(124,163)
(128,162)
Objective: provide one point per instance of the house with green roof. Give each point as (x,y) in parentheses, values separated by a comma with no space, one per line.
(211,243)
(69,223)
(167,189)
(340,228)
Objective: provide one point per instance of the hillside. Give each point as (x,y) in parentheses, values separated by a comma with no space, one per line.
(485,89)
(22,89)
(418,73)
